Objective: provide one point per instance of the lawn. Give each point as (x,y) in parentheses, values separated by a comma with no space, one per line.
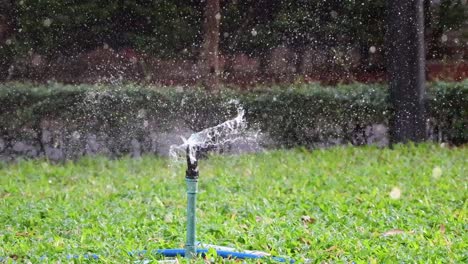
(343,204)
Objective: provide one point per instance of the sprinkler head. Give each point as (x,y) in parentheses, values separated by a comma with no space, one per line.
(192,166)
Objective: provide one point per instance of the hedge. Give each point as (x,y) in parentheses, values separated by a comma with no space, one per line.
(39,120)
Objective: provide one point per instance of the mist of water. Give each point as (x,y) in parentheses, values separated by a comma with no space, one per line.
(215,137)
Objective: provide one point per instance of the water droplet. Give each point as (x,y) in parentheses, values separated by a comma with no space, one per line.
(254,32)
(47,22)
(76,135)
(395,193)
(436,172)
(444,38)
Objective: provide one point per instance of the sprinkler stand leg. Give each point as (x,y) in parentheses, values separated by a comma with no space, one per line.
(190,246)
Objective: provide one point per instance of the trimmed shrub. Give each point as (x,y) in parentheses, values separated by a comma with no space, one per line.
(68,121)
(447,106)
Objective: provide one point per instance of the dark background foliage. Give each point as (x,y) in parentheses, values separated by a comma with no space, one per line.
(169,28)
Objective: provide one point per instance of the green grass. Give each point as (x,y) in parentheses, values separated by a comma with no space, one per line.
(259,201)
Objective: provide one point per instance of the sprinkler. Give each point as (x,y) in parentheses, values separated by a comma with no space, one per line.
(193,248)
(191,178)
(190,251)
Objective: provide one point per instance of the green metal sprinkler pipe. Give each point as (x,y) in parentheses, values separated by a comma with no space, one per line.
(191,177)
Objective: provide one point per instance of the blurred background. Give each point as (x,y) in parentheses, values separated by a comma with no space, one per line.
(252,41)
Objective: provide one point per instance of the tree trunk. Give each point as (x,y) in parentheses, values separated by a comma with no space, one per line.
(405,66)
(210,52)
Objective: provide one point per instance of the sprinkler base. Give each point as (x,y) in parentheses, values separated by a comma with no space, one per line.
(223,252)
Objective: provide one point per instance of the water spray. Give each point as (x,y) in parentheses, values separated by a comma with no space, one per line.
(220,135)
